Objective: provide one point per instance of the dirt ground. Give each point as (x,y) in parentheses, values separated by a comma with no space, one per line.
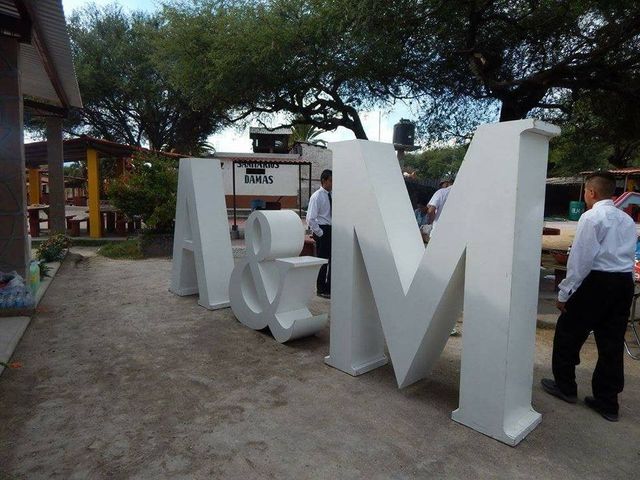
(123,380)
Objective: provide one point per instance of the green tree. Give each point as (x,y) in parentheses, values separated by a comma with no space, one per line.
(126,98)
(600,130)
(436,163)
(321,61)
(524,53)
(150,191)
(303,132)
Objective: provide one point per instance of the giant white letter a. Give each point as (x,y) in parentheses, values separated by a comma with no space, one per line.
(202,256)
(485,251)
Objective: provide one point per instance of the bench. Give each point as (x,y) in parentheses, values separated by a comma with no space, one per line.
(73,225)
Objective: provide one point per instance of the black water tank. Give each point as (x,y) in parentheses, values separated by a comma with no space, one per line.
(403,132)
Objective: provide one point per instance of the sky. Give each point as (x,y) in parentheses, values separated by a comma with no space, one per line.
(378,124)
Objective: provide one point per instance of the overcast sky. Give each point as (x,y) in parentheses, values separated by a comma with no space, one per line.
(377,124)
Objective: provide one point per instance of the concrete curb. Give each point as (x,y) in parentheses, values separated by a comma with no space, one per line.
(11,331)
(12,328)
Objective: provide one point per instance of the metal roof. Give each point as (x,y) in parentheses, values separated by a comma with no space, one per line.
(618,171)
(278,158)
(46,62)
(268,131)
(576,180)
(75,150)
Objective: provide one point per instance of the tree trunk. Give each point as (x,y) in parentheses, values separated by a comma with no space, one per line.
(516,104)
(512,110)
(357,128)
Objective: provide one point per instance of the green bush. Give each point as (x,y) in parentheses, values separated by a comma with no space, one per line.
(149,192)
(52,249)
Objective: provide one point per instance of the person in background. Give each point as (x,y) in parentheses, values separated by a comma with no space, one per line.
(595,296)
(421,213)
(435,207)
(422,218)
(436,204)
(319,222)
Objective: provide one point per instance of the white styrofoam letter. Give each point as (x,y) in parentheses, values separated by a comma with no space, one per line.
(202,256)
(267,290)
(385,285)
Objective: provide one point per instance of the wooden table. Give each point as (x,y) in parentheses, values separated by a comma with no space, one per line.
(108,218)
(34,218)
(559,270)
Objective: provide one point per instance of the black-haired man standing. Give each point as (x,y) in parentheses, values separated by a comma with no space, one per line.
(596,296)
(319,221)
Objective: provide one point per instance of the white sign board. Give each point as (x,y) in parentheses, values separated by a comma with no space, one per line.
(261,178)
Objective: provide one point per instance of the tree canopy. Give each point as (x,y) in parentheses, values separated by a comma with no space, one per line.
(170,79)
(461,63)
(126,97)
(525,53)
(321,61)
(436,163)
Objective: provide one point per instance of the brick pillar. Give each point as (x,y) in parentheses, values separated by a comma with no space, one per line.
(55,161)
(13,196)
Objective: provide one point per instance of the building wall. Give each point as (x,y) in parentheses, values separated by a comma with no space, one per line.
(321,158)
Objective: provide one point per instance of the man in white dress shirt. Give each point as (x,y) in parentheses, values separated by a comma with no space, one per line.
(435,207)
(596,296)
(436,204)
(319,221)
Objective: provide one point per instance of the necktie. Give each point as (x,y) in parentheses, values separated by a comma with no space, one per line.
(330,203)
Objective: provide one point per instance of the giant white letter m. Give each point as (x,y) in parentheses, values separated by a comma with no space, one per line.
(484,258)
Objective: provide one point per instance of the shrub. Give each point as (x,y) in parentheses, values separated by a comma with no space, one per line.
(128,249)
(149,192)
(52,249)
(44,269)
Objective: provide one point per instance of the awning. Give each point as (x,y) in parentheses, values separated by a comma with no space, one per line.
(75,150)
(46,65)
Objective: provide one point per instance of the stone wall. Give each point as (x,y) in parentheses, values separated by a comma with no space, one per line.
(320,158)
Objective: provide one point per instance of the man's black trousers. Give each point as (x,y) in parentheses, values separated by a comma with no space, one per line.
(601,304)
(323,250)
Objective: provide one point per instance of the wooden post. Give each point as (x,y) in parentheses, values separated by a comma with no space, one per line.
(35,185)
(55,160)
(14,239)
(93,179)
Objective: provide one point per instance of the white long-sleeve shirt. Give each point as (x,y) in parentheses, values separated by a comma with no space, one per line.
(605,241)
(319,211)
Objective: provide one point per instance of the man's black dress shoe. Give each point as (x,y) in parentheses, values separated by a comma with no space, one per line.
(594,405)
(551,388)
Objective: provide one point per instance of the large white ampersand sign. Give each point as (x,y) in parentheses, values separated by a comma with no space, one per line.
(272,286)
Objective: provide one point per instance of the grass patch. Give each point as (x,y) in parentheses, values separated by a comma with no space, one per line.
(129,250)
